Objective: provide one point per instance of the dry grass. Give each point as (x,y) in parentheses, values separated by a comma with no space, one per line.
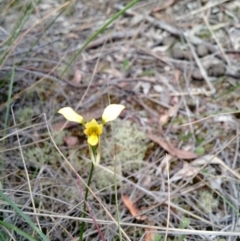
(175,68)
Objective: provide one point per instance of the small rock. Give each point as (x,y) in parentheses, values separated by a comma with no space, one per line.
(192,5)
(169,41)
(188,55)
(216,70)
(202,50)
(177,53)
(196,74)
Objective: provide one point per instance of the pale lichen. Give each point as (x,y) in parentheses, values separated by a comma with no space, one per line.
(124,144)
(207,201)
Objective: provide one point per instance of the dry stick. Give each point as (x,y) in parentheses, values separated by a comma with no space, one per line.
(111,37)
(165,5)
(163,229)
(26,170)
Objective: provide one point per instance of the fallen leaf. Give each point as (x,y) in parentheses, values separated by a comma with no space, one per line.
(158,88)
(77,76)
(145,87)
(213,159)
(132,209)
(173,110)
(163,119)
(114,72)
(59,126)
(73,35)
(216,183)
(187,171)
(71,140)
(150,233)
(146,181)
(164,6)
(170,113)
(162,169)
(207,159)
(171,149)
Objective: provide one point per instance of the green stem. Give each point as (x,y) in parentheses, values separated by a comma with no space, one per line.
(85,202)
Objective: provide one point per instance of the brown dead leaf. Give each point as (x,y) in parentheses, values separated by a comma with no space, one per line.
(150,233)
(171,149)
(71,140)
(77,76)
(216,183)
(73,35)
(177,75)
(58,126)
(186,171)
(170,113)
(173,110)
(163,119)
(114,72)
(164,6)
(132,209)
(162,169)
(213,159)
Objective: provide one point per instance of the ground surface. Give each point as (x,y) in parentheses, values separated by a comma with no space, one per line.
(175,65)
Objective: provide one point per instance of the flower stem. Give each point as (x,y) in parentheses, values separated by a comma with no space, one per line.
(84,214)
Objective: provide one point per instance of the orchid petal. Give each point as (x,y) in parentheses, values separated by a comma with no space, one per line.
(92,140)
(111,112)
(70,114)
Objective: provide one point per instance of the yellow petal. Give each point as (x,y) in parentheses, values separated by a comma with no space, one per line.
(70,114)
(111,112)
(93,140)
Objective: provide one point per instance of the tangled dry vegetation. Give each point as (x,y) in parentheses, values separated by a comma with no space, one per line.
(175,66)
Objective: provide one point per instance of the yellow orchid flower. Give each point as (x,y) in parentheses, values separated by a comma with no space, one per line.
(93,130)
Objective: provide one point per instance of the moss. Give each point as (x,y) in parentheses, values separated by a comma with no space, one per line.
(25,114)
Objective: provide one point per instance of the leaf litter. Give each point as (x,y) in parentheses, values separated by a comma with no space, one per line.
(160,66)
